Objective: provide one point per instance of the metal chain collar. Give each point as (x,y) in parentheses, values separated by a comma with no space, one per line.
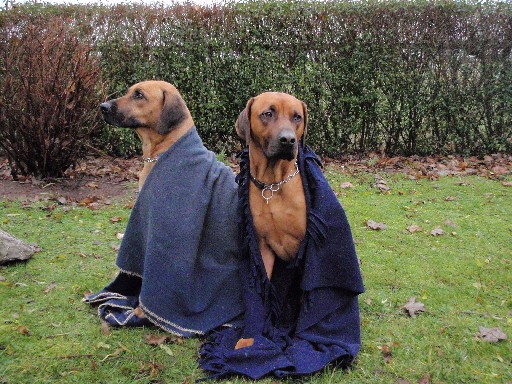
(268,190)
(150,159)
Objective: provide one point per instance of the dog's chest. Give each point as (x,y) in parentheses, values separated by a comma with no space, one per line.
(280,224)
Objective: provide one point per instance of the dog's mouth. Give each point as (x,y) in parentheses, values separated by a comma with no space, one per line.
(277,151)
(112,116)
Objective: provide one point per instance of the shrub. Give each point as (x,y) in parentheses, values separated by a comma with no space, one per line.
(51,88)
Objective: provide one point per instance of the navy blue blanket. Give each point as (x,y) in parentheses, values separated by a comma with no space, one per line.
(179,259)
(307,316)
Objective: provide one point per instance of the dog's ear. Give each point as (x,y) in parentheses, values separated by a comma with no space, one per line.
(174,111)
(305,113)
(243,123)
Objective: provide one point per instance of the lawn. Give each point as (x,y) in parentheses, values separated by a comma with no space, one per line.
(461,272)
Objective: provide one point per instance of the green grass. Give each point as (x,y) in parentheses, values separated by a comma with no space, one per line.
(463,277)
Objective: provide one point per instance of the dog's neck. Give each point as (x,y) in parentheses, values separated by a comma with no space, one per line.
(269,171)
(154,144)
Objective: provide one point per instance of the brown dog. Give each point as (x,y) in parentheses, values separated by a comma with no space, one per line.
(156,110)
(272,125)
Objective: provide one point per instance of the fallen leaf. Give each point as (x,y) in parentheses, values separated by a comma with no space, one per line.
(491,335)
(151,368)
(346,185)
(412,307)
(92,185)
(381,184)
(119,236)
(50,287)
(506,183)
(450,198)
(450,223)
(88,200)
(386,353)
(414,228)
(62,200)
(437,231)
(105,328)
(499,170)
(24,330)
(425,379)
(116,353)
(153,339)
(116,219)
(166,349)
(375,225)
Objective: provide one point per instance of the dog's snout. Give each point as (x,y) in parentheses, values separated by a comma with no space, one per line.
(287,138)
(105,107)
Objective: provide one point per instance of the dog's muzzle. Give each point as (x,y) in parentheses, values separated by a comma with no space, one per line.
(108,111)
(113,116)
(284,146)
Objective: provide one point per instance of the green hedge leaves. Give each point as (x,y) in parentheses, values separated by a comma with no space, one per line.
(415,77)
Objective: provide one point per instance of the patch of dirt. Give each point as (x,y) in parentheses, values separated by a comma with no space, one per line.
(98,179)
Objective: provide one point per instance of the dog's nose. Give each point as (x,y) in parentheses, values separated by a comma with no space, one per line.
(287,138)
(105,107)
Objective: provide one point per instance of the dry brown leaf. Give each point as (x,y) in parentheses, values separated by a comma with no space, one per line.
(116,219)
(375,225)
(105,328)
(50,287)
(450,223)
(491,335)
(450,198)
(346,185)
(386,353)
(24,330)
(153,339)
(414,228)
(413,307)
(425,379)
(437,231)
(506,183)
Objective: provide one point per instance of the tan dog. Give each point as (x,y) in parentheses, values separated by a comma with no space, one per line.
(156,110)
(272,125)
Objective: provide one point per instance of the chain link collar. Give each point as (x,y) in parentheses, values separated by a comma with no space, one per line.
(268,190)
(150,159)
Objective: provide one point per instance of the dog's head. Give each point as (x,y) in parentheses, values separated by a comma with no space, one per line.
(274,122)
(155,105)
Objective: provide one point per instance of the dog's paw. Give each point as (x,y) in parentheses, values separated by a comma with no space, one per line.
(243,343)
(138,312)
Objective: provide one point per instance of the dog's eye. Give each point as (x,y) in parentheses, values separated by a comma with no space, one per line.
(297,118)
(138,95)
(267,114)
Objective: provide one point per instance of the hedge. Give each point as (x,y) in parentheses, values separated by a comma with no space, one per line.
(415,77)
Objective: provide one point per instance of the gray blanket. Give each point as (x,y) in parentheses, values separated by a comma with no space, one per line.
(178,259)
